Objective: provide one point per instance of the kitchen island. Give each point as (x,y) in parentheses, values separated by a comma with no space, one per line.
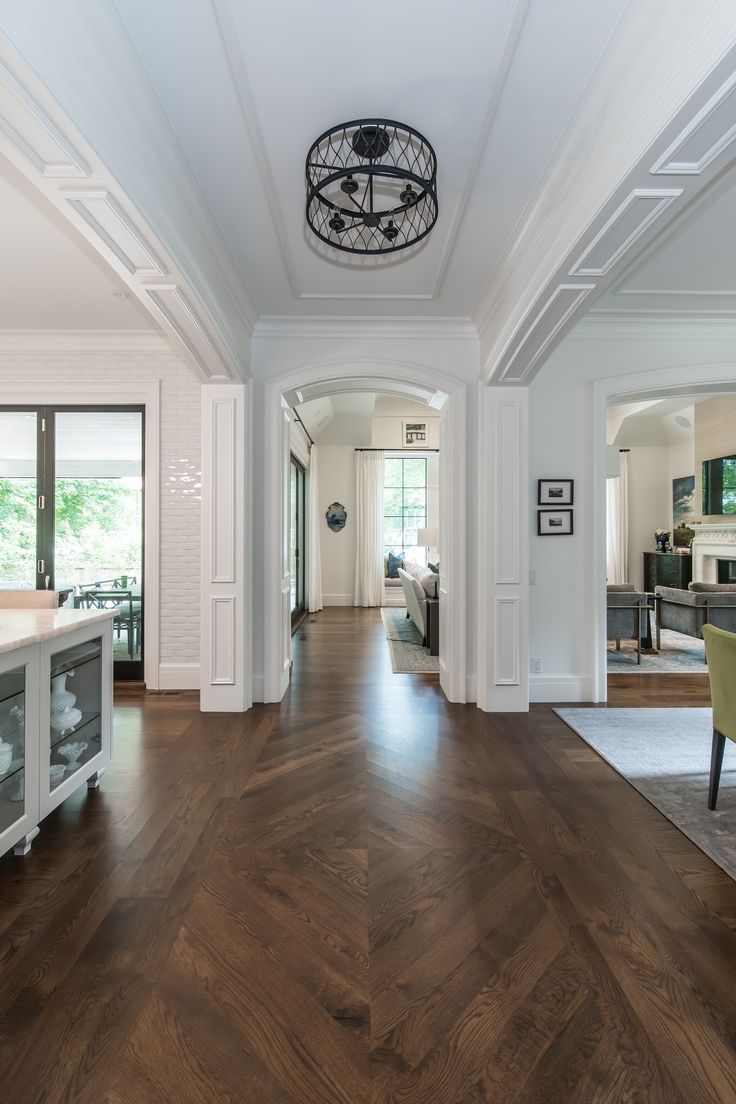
(55,713)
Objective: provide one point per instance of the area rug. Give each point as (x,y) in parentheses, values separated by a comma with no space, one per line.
(665,755)
(678,654)
(408,657)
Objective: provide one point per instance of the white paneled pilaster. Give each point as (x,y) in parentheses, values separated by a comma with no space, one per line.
(503,549)
(226,665)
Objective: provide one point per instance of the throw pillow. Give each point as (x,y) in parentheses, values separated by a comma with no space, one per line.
(394,563)
(434,567)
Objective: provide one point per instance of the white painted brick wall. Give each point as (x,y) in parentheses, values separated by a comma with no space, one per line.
(180,463)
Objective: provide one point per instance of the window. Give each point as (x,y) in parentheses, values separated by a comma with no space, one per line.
(404,505)
(71,513)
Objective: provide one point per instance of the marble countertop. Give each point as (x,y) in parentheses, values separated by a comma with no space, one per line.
(19,627)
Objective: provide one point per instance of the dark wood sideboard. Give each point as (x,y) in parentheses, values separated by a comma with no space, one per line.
(667,569)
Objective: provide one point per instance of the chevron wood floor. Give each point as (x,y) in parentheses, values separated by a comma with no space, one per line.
(363,894)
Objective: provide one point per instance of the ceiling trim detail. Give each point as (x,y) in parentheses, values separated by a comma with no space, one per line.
(431,329)
(108,221)
(709,134)
(542,330)
(631,219)
(25,127)
(532,322)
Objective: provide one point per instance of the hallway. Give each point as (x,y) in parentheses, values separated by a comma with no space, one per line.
(364,894)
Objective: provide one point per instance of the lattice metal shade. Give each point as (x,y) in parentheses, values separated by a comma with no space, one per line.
(371,186)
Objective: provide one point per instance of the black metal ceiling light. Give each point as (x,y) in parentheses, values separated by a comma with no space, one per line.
(371,186)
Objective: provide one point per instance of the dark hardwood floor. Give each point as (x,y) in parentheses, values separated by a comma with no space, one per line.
(363,894)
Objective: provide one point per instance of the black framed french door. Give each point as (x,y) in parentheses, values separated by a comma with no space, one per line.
(71,512)
(297,538)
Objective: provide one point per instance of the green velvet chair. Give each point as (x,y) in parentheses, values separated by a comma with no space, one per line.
(720,650)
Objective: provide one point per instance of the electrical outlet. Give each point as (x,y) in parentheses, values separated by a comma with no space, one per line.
(535,666)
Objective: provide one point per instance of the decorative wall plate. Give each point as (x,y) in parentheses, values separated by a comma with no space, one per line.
(336,515)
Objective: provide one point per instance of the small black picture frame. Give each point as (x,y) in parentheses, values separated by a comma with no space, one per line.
(554,523)
(555,492)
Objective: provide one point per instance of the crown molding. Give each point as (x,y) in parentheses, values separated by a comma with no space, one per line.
(433,329)
(653,326)
(85,341)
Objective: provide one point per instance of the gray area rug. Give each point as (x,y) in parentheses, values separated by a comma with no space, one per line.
(679,653)
(408,657)
(665,755)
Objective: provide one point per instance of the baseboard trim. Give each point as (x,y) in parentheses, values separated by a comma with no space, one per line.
(561,688)
(178,676)
(337,599)
(258,688)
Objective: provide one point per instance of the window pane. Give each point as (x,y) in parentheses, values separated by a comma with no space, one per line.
(17,498)
(99,516)
(415,472)
(392,472)
(415,500)
(392,501)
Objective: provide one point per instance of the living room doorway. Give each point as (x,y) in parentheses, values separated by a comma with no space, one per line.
(662,549)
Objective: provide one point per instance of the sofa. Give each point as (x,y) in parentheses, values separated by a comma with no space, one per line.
(686,611)
(418,583)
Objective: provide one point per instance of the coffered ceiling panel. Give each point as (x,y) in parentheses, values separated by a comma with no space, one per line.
(248,86)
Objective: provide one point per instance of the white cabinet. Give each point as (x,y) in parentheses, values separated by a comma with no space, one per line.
(55,725)
(19,750)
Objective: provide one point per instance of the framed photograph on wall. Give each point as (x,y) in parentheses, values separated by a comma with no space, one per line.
(554,492)
(415,434)
(554,523)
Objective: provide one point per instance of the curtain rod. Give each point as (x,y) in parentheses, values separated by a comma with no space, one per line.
(396,450)
(301,423)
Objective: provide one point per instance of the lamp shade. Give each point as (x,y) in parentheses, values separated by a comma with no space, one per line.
(427,538)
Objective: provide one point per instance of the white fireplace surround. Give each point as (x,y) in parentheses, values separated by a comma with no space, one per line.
(712,543)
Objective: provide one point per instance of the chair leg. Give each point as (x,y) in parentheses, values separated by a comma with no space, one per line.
(716,762)
(618,643)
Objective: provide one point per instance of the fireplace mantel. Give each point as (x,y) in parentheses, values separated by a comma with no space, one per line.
(712,543)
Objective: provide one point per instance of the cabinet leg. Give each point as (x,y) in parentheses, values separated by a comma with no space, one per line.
(23,846)
(94,780)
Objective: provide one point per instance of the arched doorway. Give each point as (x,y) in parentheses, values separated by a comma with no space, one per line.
(391,377)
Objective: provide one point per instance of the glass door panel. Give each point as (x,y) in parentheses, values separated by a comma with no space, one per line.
(75,704)
(18,499)
(98,521)
(12,747)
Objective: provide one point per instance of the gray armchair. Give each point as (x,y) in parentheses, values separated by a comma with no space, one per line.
(626,613)
(686,611)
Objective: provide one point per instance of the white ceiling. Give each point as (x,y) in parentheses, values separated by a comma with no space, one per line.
(347,418)
(653,422)
(248,86)
(50,277)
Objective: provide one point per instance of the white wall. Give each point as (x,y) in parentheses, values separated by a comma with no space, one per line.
(91,359)
(563,601)
(337,550)
(650,504)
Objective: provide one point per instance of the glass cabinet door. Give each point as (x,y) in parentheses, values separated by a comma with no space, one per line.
(75,710)
(14,800)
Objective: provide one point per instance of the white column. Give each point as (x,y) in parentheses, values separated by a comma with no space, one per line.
(503,549)
(226,599)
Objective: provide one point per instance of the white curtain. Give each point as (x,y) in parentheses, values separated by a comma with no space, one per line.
(369,528)
(314,535)
(617,524)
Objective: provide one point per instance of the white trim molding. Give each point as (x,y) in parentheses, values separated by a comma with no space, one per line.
(226,664)
(502,556)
